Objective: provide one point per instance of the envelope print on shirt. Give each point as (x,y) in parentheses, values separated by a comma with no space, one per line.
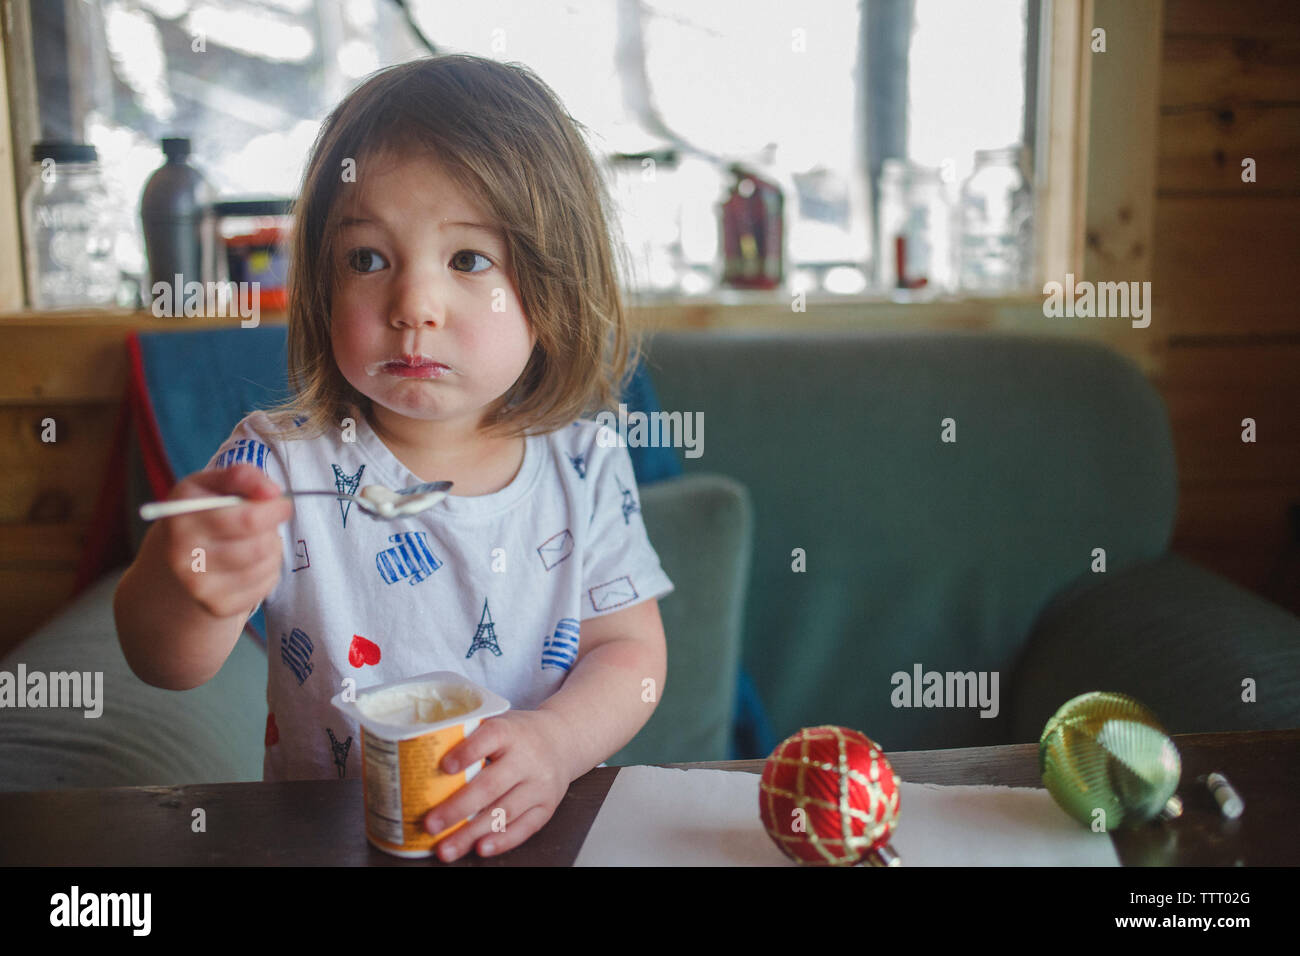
(612,594)
(556,548)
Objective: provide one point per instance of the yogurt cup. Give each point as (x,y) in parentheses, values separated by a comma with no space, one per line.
(407,727)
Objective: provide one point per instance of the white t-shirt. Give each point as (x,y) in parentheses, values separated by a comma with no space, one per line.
(494,587)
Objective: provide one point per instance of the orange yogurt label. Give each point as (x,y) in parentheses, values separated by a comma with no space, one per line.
(406,728)
(403,781)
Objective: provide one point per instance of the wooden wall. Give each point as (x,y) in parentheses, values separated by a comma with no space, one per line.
(70,368)
(1226,255)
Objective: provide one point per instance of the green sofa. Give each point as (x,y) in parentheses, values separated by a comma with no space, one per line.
(967,556)
(972,556)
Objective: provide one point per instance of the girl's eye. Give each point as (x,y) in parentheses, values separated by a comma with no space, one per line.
(362,259)
(477,255)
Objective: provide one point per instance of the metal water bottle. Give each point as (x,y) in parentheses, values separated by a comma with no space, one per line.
(176,212)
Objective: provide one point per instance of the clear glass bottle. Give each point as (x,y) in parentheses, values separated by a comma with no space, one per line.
(996,221)
(68,232)
(646,187)
(914,251)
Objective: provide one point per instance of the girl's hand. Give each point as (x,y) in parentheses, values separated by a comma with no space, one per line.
(527,778)
(242,549)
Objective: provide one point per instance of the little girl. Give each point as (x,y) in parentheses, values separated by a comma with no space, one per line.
(454,315)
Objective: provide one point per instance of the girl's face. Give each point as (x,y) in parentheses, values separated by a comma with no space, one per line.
(415,285)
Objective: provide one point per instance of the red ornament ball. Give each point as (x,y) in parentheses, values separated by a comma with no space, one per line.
(828,796)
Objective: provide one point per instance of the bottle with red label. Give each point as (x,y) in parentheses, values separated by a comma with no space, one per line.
(753,232)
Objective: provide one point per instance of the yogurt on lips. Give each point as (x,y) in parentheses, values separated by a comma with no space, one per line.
(409,366)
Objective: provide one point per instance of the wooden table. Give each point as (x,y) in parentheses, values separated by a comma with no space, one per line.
(319,822)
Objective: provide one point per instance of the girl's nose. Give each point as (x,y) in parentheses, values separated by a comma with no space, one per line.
(418,302)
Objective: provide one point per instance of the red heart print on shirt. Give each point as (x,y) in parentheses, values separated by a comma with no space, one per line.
(362,651)
(272,731)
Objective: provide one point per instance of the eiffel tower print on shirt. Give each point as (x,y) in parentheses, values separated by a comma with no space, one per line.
(346,485)
(486,635)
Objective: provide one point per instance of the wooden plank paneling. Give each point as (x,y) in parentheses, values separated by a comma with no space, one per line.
(76,356)
(1265,19)
(1207,430)
(1218,262)
(38,565)
(11,259)
(1212,70)
(1123,118)
(1061,198)
(30,597)
(1232,366)
(1209,390)
(1223,516)
(57,481)
(1201,150)
(1239,530)
(41,546)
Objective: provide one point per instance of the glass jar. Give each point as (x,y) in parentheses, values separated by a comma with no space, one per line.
(68,230)
(914,235)
(996,221)
(647,190)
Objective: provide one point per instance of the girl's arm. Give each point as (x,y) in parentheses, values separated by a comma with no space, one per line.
(614,687)
(168,638)
(182,604)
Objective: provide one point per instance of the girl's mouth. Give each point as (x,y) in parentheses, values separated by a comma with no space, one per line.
(419,368)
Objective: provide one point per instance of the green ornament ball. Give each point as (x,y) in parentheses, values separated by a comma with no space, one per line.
(1106,752)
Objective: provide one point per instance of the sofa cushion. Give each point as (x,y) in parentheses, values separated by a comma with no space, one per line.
(1175,636)
(917,550)
(701,528)
(145,736)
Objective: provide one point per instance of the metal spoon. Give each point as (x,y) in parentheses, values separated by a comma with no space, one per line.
(375,500)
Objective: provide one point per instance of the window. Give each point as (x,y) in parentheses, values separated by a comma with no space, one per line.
(815,97)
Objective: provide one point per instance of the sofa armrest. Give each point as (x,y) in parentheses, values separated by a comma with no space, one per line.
(1179,638)
(144,736)
(701,526)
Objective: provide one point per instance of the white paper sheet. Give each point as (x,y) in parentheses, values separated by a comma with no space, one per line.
(655,816)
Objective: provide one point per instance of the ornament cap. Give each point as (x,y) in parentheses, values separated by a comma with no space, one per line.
(884,856)
(1173,808)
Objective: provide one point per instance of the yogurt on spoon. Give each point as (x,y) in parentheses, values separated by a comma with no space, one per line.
(387,503)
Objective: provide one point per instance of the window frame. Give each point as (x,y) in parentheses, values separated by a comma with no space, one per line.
(1095,210)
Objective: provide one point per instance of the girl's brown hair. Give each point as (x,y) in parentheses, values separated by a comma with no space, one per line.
(504,137)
